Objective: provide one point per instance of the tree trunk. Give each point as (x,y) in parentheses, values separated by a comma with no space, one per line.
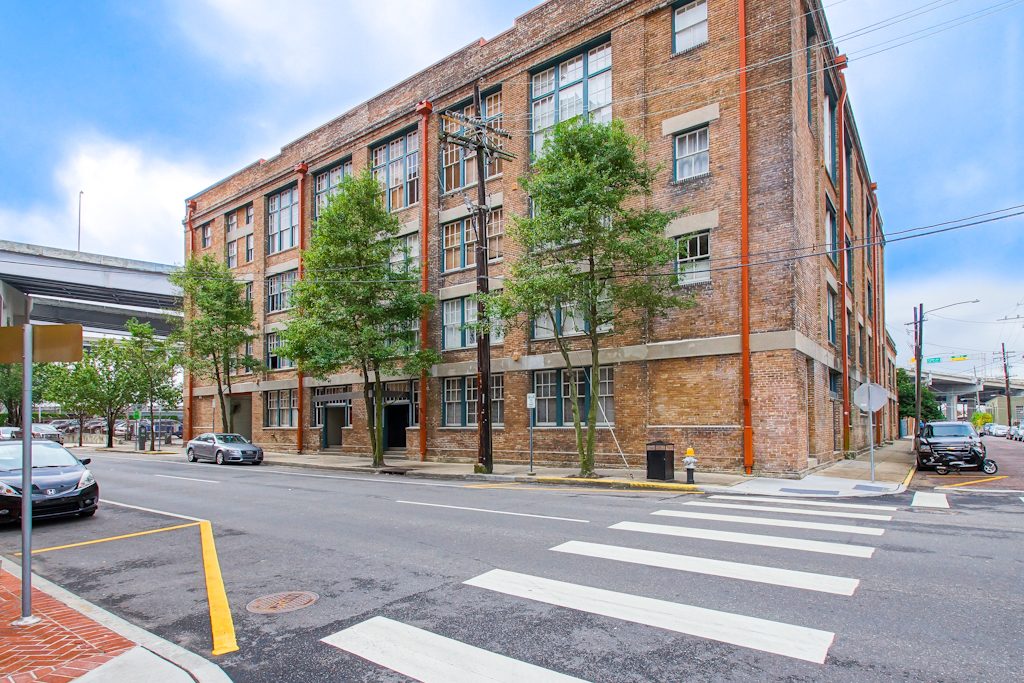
(81,428)
(152,424)
(110,430)
(224,416)
(595,390)
(230,425)
(378,411)
(371,423)
(573,401)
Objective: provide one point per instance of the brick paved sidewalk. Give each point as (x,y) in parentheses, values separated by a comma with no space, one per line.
(61,647)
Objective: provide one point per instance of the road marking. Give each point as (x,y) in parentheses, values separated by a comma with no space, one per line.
(924,499)
(763,521)
(910,475)
(432,658)
(847,549)
(792,511)
(789,500)
(495,512)
(221,625)
(823,583)
(155,512)
(112,538)
(776,637)
(973,481)
(171,476)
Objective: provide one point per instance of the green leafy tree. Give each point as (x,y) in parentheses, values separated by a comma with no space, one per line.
(980,418)
(11,387)
(219,322)
(153,361)
(907,391)
(117,386)
(75,387)
(596,256)
(355,308)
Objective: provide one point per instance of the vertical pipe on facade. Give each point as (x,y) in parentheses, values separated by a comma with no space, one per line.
(301,169)
(748,427)
(190,210)
(840,64)
(423,109)
(875,293)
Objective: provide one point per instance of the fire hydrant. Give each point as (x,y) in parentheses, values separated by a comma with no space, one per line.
(690,462)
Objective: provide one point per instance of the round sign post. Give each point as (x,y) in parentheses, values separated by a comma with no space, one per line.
(871,397)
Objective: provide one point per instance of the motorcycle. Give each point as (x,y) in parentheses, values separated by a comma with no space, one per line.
(945,463)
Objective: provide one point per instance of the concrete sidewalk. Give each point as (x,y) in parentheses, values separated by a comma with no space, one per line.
(76,640)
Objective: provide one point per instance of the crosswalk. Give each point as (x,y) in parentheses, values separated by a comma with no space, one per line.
(689,526)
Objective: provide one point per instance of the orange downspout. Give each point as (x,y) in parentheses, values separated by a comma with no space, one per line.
(190,210)
(748,427)
(423,109)
(840,64)
(875,295)
(302,169)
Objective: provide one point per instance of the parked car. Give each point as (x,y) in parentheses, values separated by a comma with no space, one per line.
(42,432)
(223,448)
(62,485)
(9,433)
(997,430)
(940,439)
(96,426)
(1012,432)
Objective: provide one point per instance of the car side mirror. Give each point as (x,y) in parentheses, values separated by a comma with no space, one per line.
(85,461)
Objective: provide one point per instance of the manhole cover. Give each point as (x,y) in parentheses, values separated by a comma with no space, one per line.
(276,603)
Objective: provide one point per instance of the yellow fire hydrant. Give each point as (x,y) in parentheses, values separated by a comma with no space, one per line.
(690,461)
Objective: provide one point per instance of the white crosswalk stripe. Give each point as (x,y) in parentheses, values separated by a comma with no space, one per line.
(847,549)
(760,521)
(803,501)
(792,511)
(839,585)
(925,499)
(432,658)
(776,637)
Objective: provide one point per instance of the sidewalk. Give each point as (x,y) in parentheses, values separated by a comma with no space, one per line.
(76,640)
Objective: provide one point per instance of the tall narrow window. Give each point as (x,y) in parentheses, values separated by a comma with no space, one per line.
(282,220)
(690,25)
(498,399)
(249,214)
(231,221)
(831,232)
(606,396)
(232,253)
(557,93)
(693,258)
(871,302)
(830,312)
(692,155)
(327,184)
(396,167)
(453,412)
(274,361)
(471,397)
(849,263)
(206,235)
(452,323)
(250,248)
(495,116)
(828,133)
(279,291)
(545,385)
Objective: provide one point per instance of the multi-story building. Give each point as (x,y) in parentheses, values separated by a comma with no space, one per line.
(744,109)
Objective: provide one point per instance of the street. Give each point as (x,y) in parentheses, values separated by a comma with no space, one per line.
(593,585)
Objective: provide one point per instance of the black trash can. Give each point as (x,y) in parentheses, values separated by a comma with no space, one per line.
(661,461)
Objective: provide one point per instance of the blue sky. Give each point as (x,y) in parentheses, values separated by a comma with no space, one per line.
(142,104)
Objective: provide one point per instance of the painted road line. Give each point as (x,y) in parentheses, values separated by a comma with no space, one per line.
(113,538)
(973,481)
(792,511)
(221,625)
(826,547)
(155,512)
(764,521)
(789,500)
(822,583)
(776,637)
(171,476)
(924,499)
(431,658)
(495,512)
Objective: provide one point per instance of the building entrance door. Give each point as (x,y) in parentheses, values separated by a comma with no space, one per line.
(396,420)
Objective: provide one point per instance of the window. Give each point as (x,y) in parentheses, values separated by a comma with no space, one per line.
(691,154)
(414,408)
(871,302)
(581,84)
(848,262)
(498,399)
(459,241)
(831,232)
(280,408)
(453,404)
(272,342)
(458,163)
(326,184)
(459,318)
(250,248)
(396,167)
(206,236)
(568,321)
(471,400)
(828,132)
(851,341)
(279,290)
(248,292)
(690,26)
(406,254)
(232,252)
(495,116)
(693,258)
(283,220)
(849,180)
(861,346)
(830,308)
(317,418)
(232,221)
(835,383)
(249,213)
(811,34)
(554,406)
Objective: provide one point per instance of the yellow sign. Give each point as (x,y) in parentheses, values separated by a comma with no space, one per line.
(958,357)
(50,344)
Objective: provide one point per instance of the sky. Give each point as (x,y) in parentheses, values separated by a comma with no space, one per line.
(140,104)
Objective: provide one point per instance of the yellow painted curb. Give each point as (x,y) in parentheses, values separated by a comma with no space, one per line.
(619,484)
(221,625)
(910,475)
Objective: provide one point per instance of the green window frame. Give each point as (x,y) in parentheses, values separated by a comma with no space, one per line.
(554,408)
(577,84)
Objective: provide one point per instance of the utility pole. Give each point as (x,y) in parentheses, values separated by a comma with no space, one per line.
(480,137)
(80,193)
(1006,381)
(918,350)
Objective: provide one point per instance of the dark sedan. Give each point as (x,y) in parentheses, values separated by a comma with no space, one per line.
(223,448)
(62,485)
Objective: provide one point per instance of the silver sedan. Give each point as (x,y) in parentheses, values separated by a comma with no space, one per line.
(223,448)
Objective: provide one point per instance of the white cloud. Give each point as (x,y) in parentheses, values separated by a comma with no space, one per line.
(132,207)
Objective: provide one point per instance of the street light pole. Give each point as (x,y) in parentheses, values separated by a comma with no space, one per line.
(80,193)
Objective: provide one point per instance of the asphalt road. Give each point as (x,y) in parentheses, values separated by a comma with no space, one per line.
(939,598)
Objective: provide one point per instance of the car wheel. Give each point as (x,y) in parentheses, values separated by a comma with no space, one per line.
(989,467)
(941,469)
(87,513)
(220,457)
(191,455)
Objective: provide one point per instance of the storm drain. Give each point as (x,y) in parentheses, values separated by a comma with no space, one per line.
(277,603)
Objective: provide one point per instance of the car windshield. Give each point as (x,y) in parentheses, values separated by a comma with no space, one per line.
(952,430)
(44,454)
(231,438)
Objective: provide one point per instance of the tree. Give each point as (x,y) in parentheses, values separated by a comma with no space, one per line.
(11,387)
(75,387)
(905,386)
(355,308)
(218,324)
(153,361)
(980,418)
(117,386)
(596,257)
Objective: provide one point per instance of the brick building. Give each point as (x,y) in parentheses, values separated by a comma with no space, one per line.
(770,173)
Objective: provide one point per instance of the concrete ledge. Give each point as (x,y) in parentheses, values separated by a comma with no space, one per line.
(610,483)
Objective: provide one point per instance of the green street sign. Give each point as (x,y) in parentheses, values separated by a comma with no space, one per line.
(936,359)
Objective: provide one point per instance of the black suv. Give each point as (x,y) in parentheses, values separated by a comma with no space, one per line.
(940,439)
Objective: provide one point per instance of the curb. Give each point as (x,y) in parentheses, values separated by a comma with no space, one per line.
(615,484)
(199,668)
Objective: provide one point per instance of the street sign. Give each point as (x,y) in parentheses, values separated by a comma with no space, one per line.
(933,359)
(958,358)
(870,397)
(531,401)
(50,343)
